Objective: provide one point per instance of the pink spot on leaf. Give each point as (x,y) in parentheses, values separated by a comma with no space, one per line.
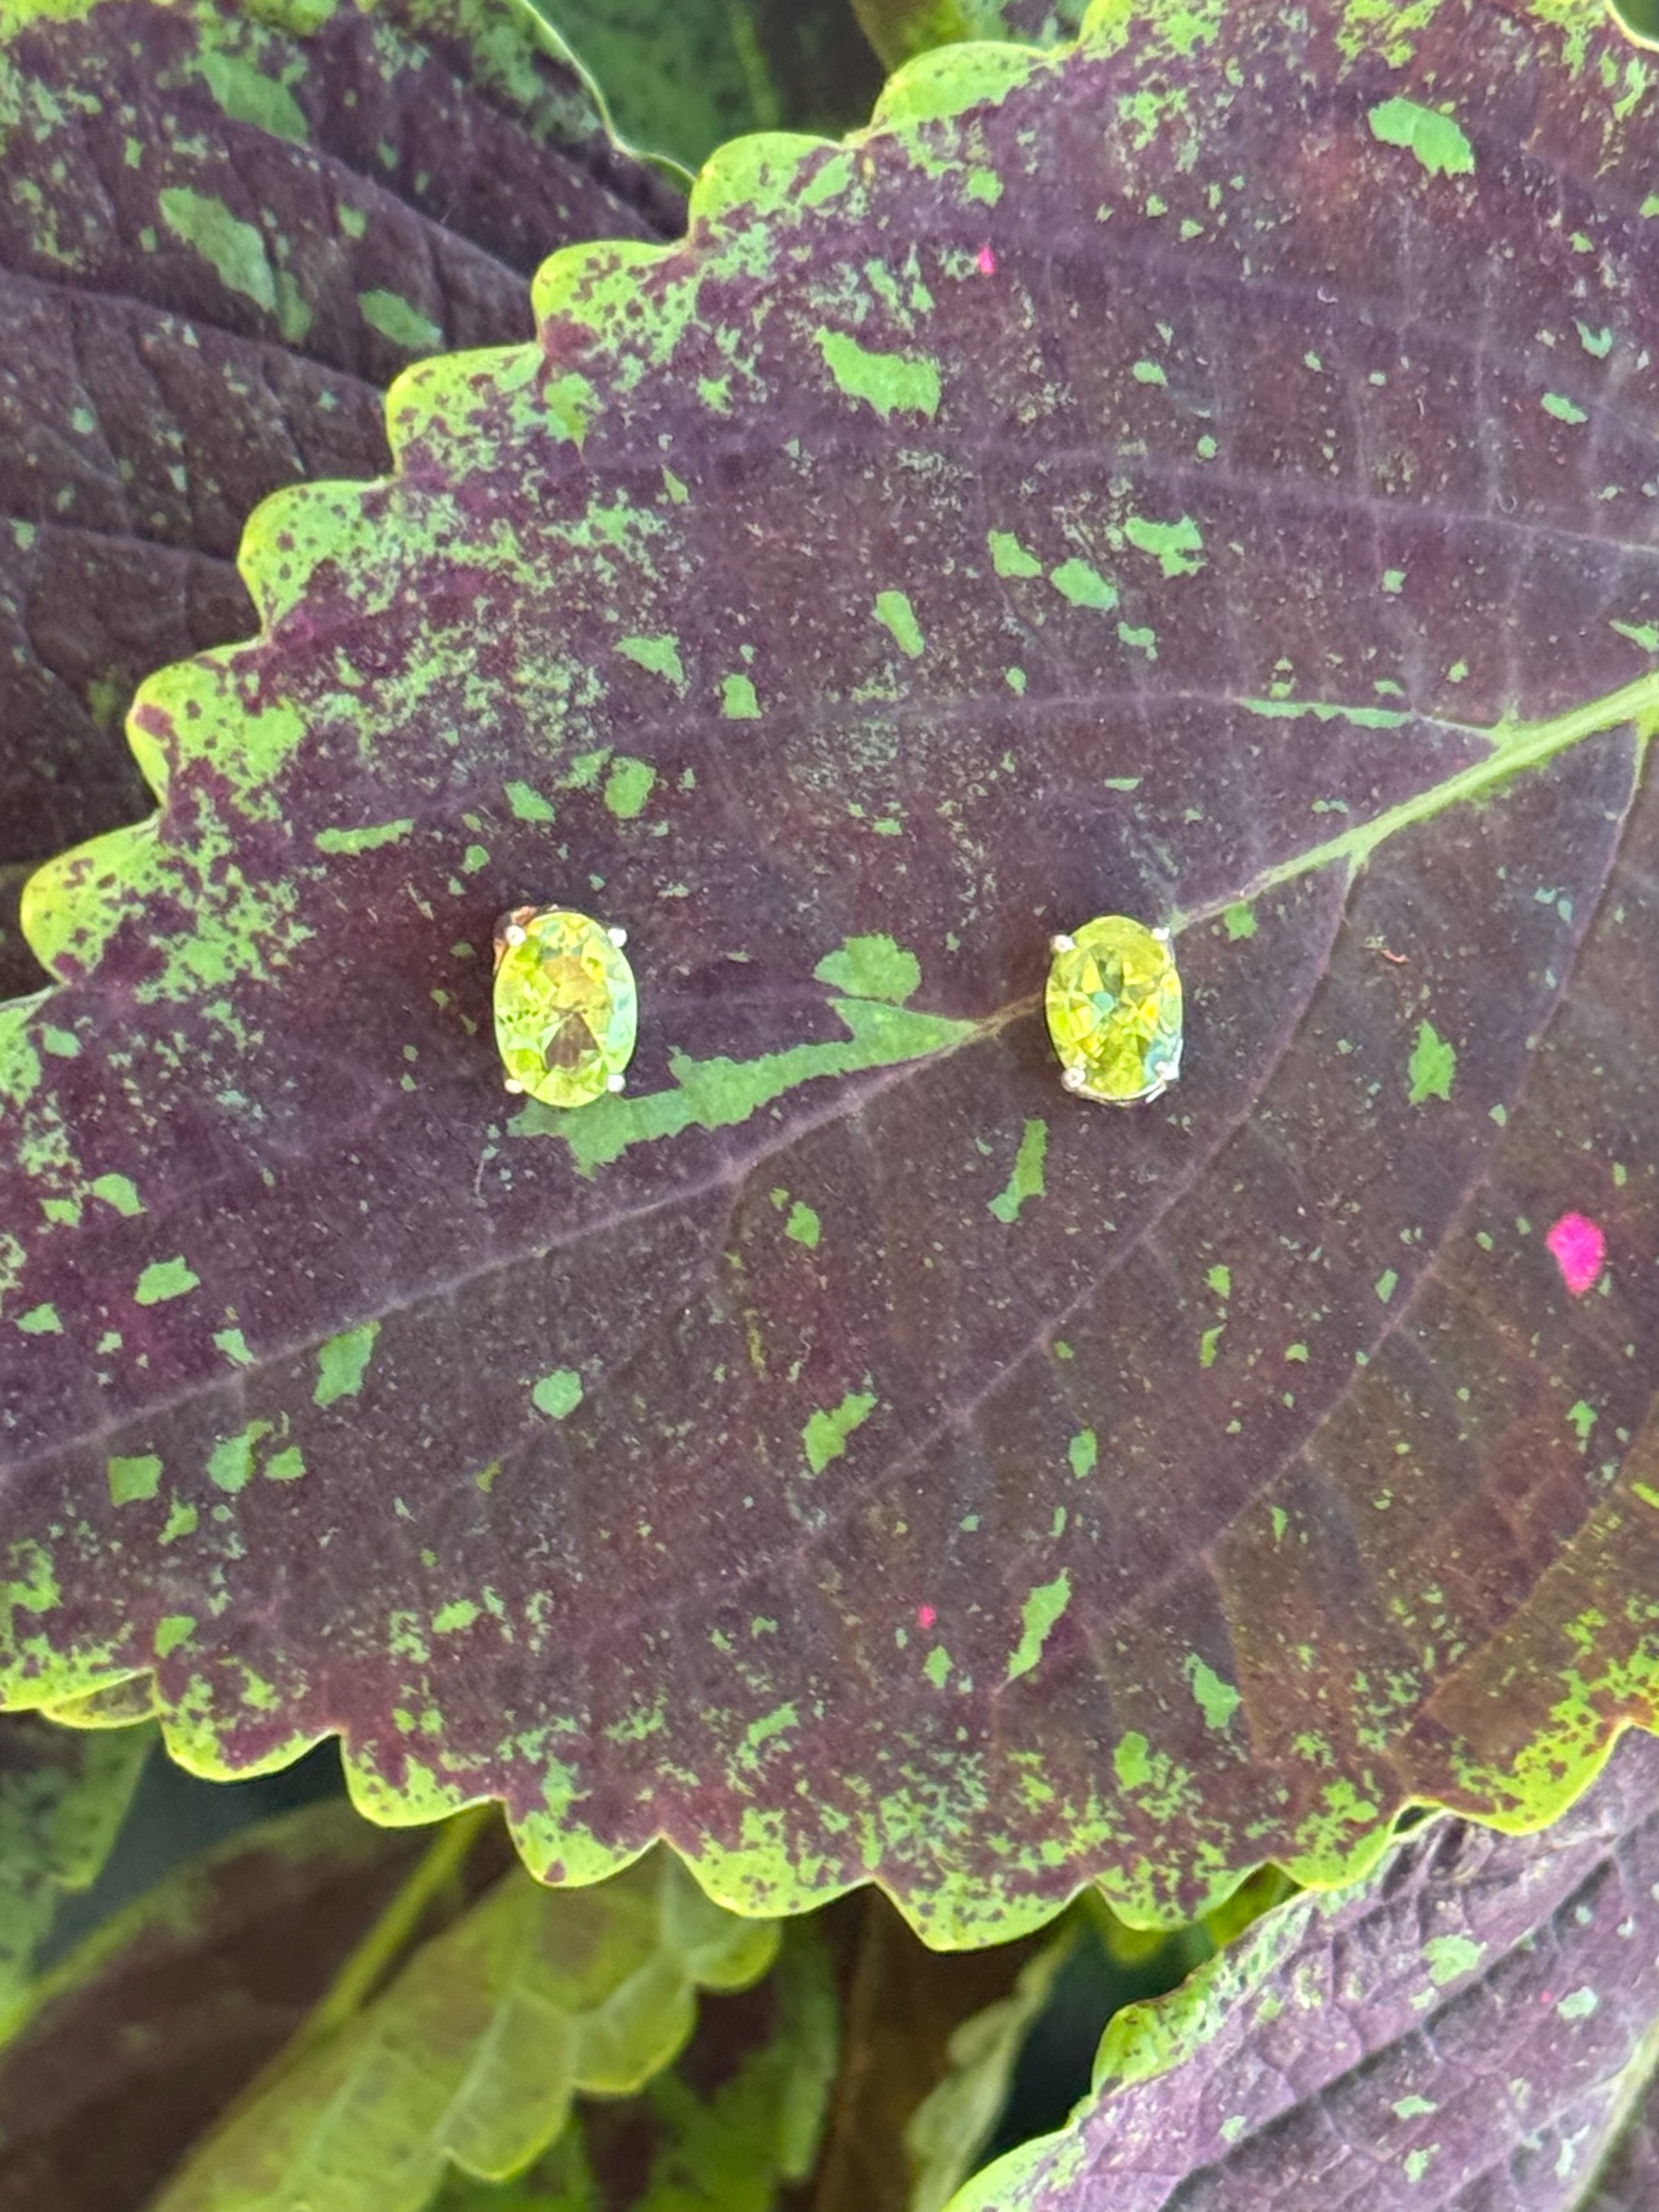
(987,262)
(1580,1249)
(925,1616)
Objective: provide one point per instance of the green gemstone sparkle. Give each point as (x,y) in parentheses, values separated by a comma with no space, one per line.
(567,1008)
(1115,1011)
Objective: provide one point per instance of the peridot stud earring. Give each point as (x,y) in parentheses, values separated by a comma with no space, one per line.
(1113,1009)
(567,1007)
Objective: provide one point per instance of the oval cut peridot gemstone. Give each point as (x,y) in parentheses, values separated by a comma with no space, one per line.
(567,1008)
(1113,1008)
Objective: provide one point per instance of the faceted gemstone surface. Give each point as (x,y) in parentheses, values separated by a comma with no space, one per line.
(566,1006)
(1113,1008)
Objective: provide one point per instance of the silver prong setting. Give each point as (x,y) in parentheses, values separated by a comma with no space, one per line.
(1062,944)
(514,933)
(618,937)
(514,1084)
(617,1083)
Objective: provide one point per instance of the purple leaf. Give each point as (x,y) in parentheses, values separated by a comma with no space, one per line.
(846,1453)
(155,2023)
(224,231)
(1475,2027)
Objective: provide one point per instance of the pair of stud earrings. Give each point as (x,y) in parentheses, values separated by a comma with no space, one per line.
(567,1008)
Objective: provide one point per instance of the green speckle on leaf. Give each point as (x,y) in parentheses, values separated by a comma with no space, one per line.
(1433,1066)
(1563,409)
(894,609)
(527,803)
(40,1321)
(1209,1344)
(1041,1610)
(172,1630)
(1148,371)
(366,839)
(1009,557)
(1084,1453)
(343,1362)
(1240,920)
(1133,1760)
(400,321)
(738,701)
(872,968)
(1578,2004)
(803,1226)
(62,1044)
(891,383)
(1216,1699)
(1386,1285)
(627,787)
(182,1521)
(230,1463)
(134,1478)
(234,1344)
(1177,547)
(234,250)
(659,655)
(557,1395)
(1597,342)
(285,1466)
(460,1612)
(1582,1416)
(1026,1181)
(1644,634)
(1221,1280)
(1446,1957)
(937,1666)
(248,95)
(1439,141)
(825,1435)
(1083,586)
(120,1192)
(163,1279)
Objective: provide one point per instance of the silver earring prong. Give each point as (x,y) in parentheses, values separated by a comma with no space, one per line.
(618,937)
(615,1084)
(1062,944)
(1162,935)
(514,933)
(514,1084)
(1073,1079)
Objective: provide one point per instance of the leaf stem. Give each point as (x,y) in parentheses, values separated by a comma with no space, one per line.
(1516,747)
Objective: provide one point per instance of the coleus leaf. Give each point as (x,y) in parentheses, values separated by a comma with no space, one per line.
(681,78)
(1475,2024)
(949,2128)
(731,2124)
(901,29)
(472,2055)
(138,2039)
(226,228)
(63,1794)
(846,1454)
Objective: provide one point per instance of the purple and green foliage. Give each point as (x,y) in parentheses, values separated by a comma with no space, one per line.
(736,2121)
(680,79)
(470,2059)
(1209,475)
(901,29)
(1472,2027)
(223,231)
(136,2041)
(62,1793)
